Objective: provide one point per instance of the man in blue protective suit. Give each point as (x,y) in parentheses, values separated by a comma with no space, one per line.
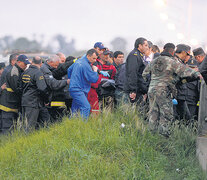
(81,74)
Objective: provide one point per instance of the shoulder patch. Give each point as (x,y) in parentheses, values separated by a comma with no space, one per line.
(41,78)
(135,53)
(184,81)
(14,71)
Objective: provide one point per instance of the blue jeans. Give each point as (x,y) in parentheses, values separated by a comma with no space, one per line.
(80,103)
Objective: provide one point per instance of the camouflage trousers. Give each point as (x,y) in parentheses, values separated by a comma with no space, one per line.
(161,110)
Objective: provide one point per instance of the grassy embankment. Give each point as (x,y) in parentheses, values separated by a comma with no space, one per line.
(100,149)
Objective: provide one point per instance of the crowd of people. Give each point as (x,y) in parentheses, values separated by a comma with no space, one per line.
(38,93)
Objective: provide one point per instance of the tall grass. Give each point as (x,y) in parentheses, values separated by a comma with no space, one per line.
(100,149)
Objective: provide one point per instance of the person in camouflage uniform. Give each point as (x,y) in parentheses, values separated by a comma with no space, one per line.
(164,70)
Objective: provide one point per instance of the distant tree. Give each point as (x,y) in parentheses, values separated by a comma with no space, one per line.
(6,43)
(65,47)
(119,43)
(23,44)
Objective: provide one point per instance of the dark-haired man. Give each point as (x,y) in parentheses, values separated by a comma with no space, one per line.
(120,78)
(135,85)
(155,49)
(182,54)
(201,58)
(11,96)
(81,74)
(118,59)
(199,55)
(12,61)
(34,95)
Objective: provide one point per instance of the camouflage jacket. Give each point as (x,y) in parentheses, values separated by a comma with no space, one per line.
(165,70)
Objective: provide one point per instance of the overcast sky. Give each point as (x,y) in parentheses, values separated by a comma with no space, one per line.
(89,21)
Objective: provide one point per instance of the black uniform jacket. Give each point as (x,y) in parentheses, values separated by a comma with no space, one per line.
(134,69)
(35,92)
(57,96)
(11,96)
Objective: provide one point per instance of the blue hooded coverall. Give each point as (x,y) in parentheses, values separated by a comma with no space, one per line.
(81,76)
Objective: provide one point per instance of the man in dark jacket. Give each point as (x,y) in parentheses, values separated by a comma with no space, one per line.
(3,86)
(118,59)
(34,95)
(119,77)
(55,86)
(11,96)
(135,85)
(12,62)
(201,58)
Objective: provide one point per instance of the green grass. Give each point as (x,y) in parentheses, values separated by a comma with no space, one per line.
(100,149)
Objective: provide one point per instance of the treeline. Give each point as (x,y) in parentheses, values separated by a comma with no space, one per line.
(9,44)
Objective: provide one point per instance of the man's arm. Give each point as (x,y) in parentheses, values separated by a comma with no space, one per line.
(184,71)
(131,72)
(42,86)
(53,83)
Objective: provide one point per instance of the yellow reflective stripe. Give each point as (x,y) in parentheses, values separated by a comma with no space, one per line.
(198,103)
(4,108)
(9,89)
(74,60)
(56,103)
(26,78)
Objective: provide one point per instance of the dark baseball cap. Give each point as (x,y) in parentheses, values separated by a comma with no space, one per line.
(198,51)
(107,52)
(183,47)
(99,45)
(23,58)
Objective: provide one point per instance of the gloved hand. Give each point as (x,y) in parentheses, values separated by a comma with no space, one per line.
(175,102)
(104,73)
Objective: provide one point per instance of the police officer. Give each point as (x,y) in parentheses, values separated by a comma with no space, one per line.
(193,92)
(12,62)
(135,86)
(181,54)
(34,95)
(11,96)
(56,107)
(201,58)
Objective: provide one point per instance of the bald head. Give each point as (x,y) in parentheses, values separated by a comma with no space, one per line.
(61,56)
(37,60)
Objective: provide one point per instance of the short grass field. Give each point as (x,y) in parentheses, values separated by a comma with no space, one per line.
(102,148)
